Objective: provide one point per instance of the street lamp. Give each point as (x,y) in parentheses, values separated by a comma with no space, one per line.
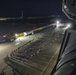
(68,25)
(57,23)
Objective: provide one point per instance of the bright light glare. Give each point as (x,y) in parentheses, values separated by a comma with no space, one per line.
(65,6)
(16,34)
(4,35)
(25,33)
(58,22)
(69,25)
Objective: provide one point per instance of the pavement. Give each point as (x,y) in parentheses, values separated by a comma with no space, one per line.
(7,48)
(36,51)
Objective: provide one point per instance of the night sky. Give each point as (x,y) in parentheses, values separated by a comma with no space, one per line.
(13,8)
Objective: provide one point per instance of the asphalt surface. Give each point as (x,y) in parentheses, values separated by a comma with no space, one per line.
(36,52)
(7,48)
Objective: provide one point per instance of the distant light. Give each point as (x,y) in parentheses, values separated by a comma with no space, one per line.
(65,6)
(4,35)
(57,23)
(25,33)
(16,35)
(68,25)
